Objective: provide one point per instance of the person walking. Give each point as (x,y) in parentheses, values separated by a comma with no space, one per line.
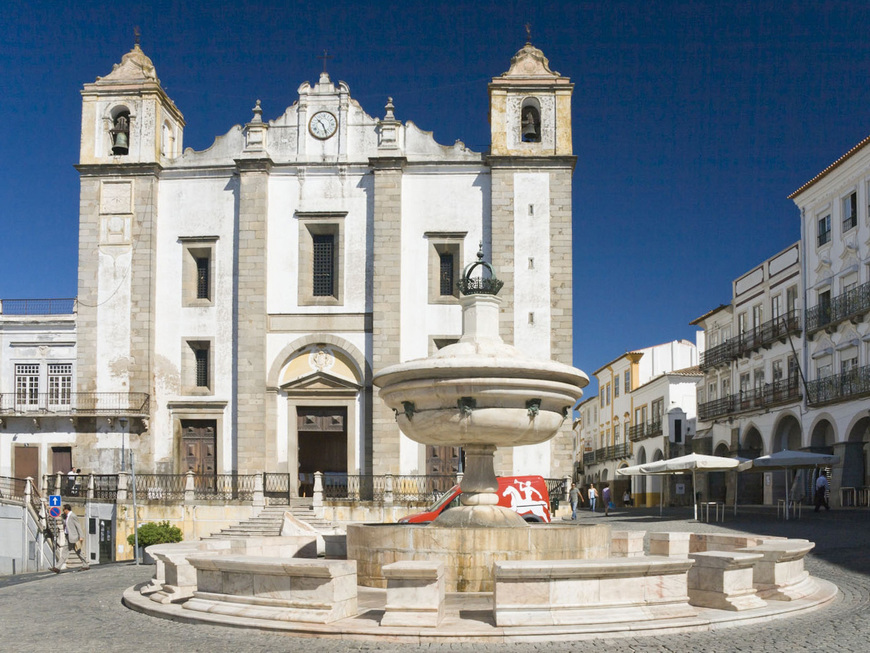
(593,496)
(605,495)
(75,537)
(822,488)
(575,499)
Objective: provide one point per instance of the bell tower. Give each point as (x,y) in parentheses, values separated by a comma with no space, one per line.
(129,128)
(127,116)
(532,164)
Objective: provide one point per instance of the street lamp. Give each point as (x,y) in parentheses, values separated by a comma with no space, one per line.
(123,424)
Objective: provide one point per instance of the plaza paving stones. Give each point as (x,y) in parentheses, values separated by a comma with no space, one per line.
(39,611)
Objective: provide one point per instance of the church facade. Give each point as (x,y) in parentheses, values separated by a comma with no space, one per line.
(250,291)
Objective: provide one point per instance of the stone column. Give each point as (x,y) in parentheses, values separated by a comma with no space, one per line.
(386,305)
(250,317)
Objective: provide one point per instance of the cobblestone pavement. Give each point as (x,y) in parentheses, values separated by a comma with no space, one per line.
(83,611)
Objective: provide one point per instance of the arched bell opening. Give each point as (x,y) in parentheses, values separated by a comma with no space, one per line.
(530,121)
(120,131)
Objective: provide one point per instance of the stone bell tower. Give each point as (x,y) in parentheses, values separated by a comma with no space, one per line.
(532,164)
(129,127)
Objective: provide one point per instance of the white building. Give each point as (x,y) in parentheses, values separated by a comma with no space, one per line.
(631,417)
(788,360)
(234,303)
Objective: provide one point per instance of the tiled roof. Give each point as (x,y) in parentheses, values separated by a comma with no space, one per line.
(835,164)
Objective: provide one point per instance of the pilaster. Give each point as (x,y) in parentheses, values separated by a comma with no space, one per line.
(386,303)
(249,317)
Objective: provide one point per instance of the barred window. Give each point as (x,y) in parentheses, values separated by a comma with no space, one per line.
(201,355)
(59,383)
(324,265)
(446,273)
(202,278)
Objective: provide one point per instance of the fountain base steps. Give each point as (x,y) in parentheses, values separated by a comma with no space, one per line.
(268,522)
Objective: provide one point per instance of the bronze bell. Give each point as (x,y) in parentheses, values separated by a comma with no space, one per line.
(120,143)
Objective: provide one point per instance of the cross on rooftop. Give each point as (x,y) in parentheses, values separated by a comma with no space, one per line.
(325,56)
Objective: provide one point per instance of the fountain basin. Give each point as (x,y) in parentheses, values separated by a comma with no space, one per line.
(468,554)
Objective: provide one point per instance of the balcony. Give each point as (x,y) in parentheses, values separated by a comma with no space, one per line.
(773,394)
(80,404)
(852,305)
(764,335)
(839,387)
(718,355)
(37,306)
(640,431)
(622,450)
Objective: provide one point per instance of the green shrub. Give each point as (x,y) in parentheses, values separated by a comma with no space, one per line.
(156,533)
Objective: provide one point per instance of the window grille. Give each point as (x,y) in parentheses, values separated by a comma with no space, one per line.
(324,265)
(201,367)
(59,383)
(446,273)
(202,278)
(824,230)
(850,212)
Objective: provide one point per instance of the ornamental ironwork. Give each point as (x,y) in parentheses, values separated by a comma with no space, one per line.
(481,285)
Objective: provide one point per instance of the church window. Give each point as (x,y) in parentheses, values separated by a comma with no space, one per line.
(120,132)
(447,281)
(197,270)
(324,265)
(197,367)
(321,259)
(445,266)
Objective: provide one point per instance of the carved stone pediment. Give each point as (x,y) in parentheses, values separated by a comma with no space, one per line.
(320,381)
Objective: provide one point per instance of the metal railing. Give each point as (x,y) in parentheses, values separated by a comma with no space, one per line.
(638,432)
(771,394)
(74,403)
(224,487)
(37,306)
(761,336)
(421,488)
(621,450)
(848,305)
(160,487)
(839,387)
(357,487)
(12,488)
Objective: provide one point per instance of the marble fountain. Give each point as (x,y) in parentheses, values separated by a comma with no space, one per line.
(479,572)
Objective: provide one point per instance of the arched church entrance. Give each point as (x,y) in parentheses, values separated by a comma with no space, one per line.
(322,442)
(750,485)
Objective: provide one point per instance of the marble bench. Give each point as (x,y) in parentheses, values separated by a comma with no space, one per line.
(608,590)
(780,574)
(626,544)
(415,593)
(723,580)
(672,545)
(699,542)
(281,589)
(175,579)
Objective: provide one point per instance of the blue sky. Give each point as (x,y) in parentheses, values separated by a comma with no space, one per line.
(692,121)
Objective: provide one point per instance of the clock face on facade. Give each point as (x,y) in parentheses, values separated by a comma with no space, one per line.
(322,125)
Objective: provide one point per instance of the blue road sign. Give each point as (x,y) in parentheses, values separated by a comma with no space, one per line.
(54,512)
(54,500)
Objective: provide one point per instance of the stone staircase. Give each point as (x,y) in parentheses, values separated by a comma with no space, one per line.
(269,521)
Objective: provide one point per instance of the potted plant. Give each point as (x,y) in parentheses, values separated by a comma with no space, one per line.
(154,533)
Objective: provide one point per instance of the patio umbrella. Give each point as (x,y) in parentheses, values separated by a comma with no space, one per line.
(693,462)
(787,459)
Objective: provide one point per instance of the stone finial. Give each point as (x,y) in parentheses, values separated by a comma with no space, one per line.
(258,113)
(389,107)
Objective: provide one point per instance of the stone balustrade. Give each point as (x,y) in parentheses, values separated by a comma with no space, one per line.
(415,594)
(277,589)
(584,592)
(780,574)
(723,580)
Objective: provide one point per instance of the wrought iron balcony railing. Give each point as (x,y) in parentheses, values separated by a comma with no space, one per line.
(839,387)
(640,431)
(763,335)
(771,394)
(851,305)
(108,404)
